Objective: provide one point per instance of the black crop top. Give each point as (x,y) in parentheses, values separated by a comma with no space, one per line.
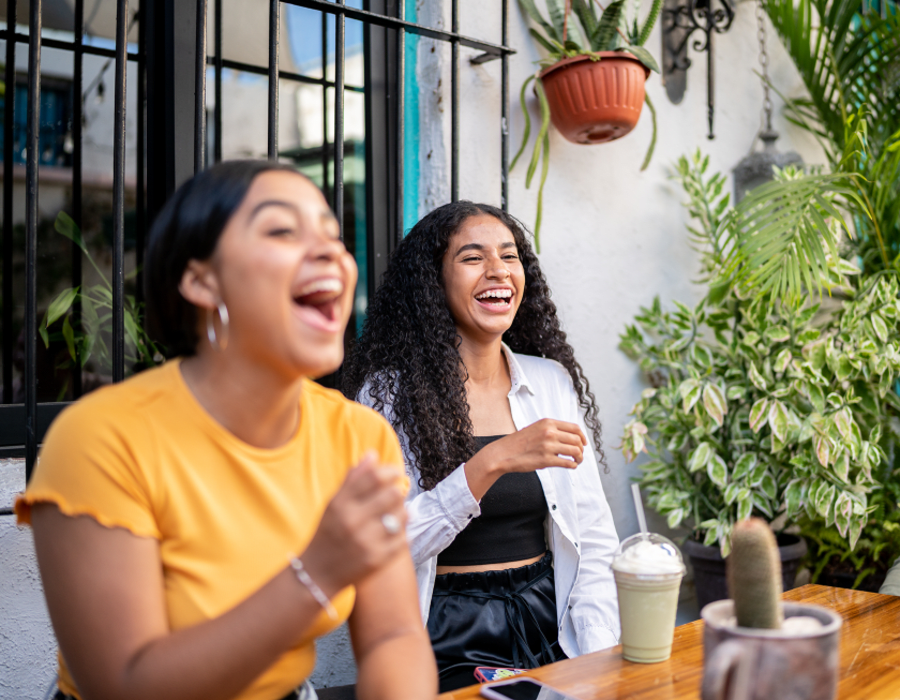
(511,524)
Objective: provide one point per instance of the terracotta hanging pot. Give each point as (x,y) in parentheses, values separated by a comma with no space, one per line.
(595,101)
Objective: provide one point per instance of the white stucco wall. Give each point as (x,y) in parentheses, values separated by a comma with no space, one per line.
(27,645)
(613,237)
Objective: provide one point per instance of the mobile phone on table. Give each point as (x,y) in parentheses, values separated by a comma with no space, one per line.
(522,689)
(486,674)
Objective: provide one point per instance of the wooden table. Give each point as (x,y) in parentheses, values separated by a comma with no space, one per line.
(870,657)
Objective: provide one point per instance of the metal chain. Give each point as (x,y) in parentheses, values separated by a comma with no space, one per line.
(764,64)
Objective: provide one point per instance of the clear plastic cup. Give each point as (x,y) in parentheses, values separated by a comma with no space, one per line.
(648,569)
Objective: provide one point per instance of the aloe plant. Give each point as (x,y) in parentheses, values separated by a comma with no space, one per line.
(564,37)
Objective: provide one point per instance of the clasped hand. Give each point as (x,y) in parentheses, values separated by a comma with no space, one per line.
(357,534)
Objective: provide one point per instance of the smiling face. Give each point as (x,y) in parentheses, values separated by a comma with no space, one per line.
(283,274)
(484,279)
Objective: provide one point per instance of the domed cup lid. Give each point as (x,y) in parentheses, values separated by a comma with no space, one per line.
(648,555)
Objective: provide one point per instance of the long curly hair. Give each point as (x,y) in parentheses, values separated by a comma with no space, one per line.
(408,350)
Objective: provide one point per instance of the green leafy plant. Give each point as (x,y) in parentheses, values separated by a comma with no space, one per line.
(778,239)
(878,546)
(88,339)
(564,37)
(764,405)
(850,59)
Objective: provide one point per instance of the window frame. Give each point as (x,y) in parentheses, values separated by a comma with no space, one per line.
(171,124)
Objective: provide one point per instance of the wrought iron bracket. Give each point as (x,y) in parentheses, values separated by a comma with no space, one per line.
(483,58)
(680,19)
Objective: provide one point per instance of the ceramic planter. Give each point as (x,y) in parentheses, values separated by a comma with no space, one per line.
(709,567)
(761,664)
(595,101)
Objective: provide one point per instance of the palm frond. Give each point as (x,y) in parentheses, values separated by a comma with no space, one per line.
(849,61)
(781,236)
(845,59)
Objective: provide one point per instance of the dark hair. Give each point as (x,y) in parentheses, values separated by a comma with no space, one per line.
(408,350)
(188,228)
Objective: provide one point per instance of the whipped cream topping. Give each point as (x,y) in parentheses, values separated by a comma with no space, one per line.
(646,557)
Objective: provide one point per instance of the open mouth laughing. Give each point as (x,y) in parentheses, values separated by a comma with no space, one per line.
(496,299)
(318,303)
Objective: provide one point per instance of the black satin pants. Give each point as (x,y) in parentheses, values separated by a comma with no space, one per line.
(493,618)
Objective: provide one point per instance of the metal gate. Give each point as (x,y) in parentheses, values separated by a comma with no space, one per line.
(163,116)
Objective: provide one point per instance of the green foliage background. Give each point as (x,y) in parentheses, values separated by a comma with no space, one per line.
(763,405)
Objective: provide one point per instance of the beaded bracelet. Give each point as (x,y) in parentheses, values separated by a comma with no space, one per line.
(316,592)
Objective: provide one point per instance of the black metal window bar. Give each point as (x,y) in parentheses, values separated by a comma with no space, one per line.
(385,29)
(24,424)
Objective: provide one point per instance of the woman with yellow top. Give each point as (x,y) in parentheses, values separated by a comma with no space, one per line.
(199,525)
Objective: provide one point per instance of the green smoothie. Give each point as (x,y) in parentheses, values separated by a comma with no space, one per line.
(648,570)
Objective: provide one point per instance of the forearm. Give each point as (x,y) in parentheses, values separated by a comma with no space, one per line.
(593,602)
(400,667)
(481,474)
(219,658)
(105,594)
(392,649)
(437,516)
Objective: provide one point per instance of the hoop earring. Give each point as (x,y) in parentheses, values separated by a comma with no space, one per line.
(211,326)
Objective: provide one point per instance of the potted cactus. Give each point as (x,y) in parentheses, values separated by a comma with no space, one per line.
(591,83)
(757,647)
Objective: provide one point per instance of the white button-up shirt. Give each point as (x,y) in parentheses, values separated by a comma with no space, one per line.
(580,529)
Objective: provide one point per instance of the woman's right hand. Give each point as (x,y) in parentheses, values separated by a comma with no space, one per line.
(352,540)
(546,443)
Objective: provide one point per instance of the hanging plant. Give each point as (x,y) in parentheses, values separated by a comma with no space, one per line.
(591,84)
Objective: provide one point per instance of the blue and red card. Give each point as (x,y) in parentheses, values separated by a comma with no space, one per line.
(486,674)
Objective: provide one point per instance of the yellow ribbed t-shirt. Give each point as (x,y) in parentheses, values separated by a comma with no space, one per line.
(145,456)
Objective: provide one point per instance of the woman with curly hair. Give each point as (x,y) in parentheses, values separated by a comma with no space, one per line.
(510,531)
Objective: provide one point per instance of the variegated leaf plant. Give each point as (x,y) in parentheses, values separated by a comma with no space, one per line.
(761,406)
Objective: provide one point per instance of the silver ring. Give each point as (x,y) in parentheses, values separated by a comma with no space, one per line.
(391,523)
